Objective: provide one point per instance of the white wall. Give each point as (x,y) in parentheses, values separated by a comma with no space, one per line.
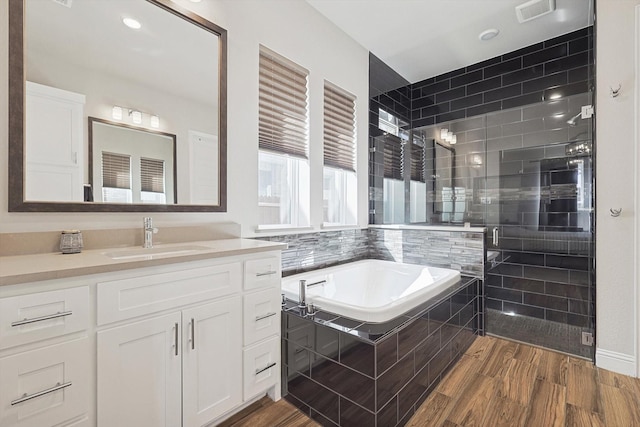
(293,29)
(616,187)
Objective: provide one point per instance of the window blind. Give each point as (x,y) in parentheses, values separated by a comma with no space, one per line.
(283,106)
(339,128)
(393,158)
(116,170)
(152,175)
(417,163)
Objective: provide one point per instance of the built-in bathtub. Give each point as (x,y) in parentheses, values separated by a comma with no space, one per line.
(371,290)
(347,371)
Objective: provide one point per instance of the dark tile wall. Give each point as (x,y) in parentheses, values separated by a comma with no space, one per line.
(559,66)
(375,374)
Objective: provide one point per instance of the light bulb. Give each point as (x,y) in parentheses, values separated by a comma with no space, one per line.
(116,112)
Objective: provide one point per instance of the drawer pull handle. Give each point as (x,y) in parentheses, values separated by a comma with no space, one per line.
(269,366)
(42,318)
(266,273)
(265,316)
(193,334)
(26,396)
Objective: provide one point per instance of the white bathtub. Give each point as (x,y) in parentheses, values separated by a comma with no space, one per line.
(371,290)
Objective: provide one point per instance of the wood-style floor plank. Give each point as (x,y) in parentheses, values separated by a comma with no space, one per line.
(548,405)
(501,383)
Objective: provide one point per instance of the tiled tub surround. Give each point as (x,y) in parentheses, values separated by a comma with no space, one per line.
(343,372)
(449,247)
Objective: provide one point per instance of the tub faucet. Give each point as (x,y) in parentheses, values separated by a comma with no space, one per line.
(149,231)
(302,294)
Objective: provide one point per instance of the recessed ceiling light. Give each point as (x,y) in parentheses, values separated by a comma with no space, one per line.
(132,23)
(488,34)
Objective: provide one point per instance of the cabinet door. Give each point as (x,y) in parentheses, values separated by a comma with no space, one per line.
(212,360)
(139,373)
(45,387)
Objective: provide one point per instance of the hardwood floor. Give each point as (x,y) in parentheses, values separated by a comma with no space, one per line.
(503,383)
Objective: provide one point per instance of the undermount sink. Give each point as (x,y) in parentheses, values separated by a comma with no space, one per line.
(150,253)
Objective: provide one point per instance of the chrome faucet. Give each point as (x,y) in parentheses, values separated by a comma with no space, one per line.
(149,231)
(302,292)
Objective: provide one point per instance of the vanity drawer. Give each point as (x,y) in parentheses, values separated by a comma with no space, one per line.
(146,294)
(34,317)
(261,315)
(263,272)
(261,367)
(45,387)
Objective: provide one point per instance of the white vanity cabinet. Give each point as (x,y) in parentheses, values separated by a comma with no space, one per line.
(173,347)
(44,375)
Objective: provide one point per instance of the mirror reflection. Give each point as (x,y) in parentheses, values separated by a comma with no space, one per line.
(135,64)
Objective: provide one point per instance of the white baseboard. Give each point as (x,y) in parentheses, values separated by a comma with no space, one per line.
(617,362)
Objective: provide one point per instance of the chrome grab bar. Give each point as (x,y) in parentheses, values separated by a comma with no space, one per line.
(41,318)
(264,316)
(269,366)
(26,396)
(266,273)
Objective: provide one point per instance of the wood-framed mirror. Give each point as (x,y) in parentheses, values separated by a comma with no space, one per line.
(168,76)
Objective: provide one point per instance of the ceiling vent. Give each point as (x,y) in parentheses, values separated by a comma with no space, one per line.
(534,9)
(64,2)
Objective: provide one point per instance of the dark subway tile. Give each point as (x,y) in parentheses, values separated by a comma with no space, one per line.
(450,74)
(579,277)
(579,74)
(414,391)
(494,280)
(546,54)
(394,379)
(386,353)
(412,335)
(546,82)
(579,307)
(357,354)
(467,78)
(467,101)
(493,304)
(441,312)
(485,63)
(583,32)
(426,121)
(298,404)
(425,351)
(523,51)
(519,101)
(556,316)
(440,363)
(579,320)
(567,290)
(567,90)
(448,95)
(523,310)
(354,415)
(579,45)
(449,330)
(434,110)
(570,262)
(507,269)
(316,396)
(425,101)
(573,61)
(431,89)
(528,285)
(326,342)
(548,274)
(546,301)
(503,67)
(525,74)
(503,93)
(346,382)
(388,416)
(504,294)
(528,258)
(450,116)
(407,417)
(484,108)
(484,85)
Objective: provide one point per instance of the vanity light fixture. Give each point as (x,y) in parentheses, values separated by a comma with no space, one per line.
(132,23)
(154,121)
(136,116)
(116,112)
(453,140)
(443,133)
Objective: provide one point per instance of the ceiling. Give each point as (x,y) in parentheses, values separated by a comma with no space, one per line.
(424,38)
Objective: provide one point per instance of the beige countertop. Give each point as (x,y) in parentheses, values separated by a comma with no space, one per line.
(37,267)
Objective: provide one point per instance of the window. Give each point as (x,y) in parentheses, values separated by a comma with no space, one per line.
(340,193)
(116,178)
(283,178)
(152,188)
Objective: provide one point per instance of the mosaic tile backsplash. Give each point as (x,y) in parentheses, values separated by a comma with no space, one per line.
(458,250)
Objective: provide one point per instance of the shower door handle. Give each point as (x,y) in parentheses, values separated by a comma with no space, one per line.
(496,236)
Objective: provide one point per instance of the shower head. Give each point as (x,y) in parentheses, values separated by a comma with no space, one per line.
(572,120)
